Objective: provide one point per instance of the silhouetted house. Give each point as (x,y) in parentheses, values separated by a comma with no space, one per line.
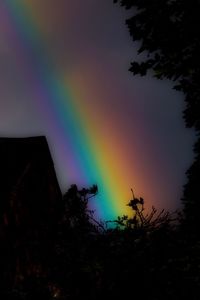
(29,190)
(30,202)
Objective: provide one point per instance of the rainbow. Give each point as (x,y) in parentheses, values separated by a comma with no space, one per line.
(60,108)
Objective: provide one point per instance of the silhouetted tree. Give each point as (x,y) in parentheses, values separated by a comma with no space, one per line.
(168,32)
(78,257)
(143,255)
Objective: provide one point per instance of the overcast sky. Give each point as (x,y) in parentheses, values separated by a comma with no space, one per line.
(141,118)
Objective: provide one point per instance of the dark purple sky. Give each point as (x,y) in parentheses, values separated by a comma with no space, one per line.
(137,121)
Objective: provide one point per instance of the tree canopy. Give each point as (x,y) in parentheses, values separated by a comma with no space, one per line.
(169,36)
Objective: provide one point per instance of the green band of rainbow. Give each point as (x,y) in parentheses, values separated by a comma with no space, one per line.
(62,111)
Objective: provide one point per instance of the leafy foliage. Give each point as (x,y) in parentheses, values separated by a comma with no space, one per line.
(146,255)
(168,32)
(149,255)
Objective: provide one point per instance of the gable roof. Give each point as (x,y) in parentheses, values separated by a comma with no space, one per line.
(28,179)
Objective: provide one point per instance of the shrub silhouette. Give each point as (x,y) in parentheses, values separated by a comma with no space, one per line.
(145,255)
